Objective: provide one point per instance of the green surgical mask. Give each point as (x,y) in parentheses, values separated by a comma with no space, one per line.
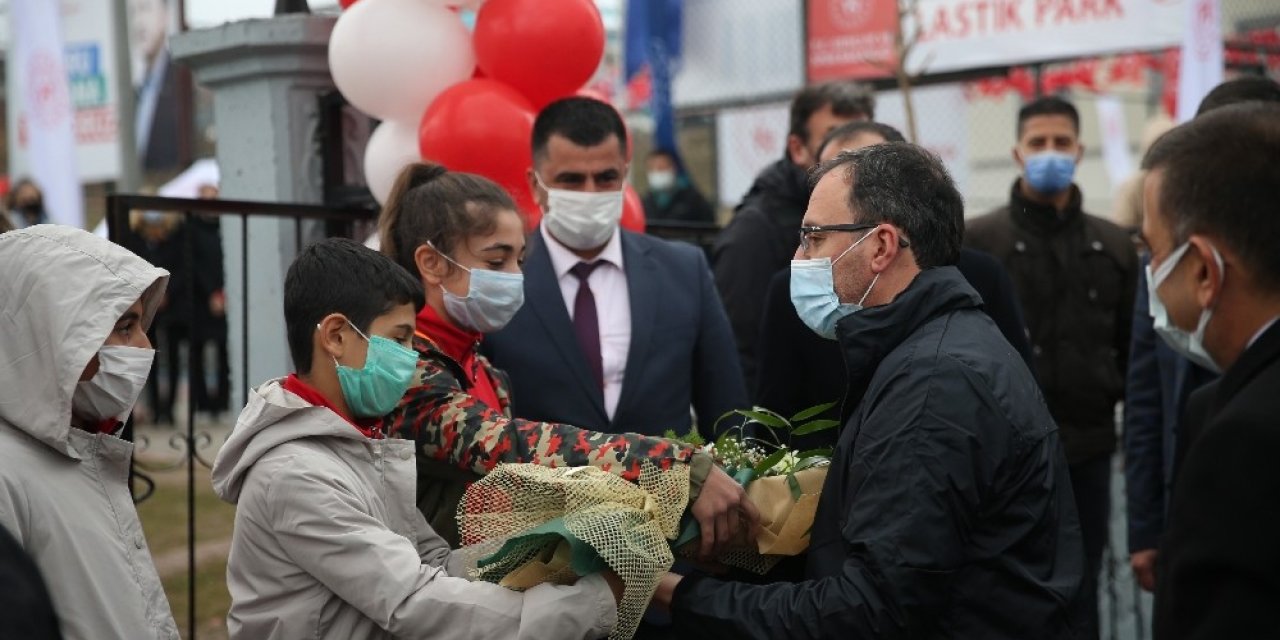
(375,389)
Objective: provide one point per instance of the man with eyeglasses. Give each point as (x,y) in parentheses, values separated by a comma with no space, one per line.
(947,510)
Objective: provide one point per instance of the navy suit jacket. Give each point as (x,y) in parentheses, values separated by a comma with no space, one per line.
(1157,386)
(682,353)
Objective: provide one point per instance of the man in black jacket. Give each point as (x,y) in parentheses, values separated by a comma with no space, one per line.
(761,237)
(947,511)
(1210,196)
(798,369)
(1076,275)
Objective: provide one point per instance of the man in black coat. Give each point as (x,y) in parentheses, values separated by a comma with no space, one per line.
(947,510)
(1210,198)
(761,237)
(26,611)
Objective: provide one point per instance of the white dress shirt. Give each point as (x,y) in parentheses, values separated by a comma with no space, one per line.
(613,306)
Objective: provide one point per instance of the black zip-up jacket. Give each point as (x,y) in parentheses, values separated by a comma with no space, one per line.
(759,241)
(947,511)
(1076,276)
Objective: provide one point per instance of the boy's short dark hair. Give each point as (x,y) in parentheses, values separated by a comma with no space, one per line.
(1048,106)
(338,275)
(586,122)
(847,100)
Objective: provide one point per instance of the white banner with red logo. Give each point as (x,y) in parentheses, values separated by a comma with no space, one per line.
(1201,60)
(748,140)
(40,93)
(966,34)
(854,38)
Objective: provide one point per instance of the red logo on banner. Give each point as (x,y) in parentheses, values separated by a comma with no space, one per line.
(47,86)
(851,39)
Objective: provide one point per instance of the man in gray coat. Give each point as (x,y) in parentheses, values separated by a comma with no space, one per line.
(74,355)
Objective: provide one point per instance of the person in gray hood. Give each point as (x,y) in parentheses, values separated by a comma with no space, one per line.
(328,540)
(74,355)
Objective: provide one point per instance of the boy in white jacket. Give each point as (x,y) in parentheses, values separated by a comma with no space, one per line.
(328,541)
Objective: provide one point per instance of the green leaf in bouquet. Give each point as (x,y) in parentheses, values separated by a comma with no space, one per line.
(811,412)
(814,427)
(794,485)
(769,461)
(764,417)
(820,452)
(810,462)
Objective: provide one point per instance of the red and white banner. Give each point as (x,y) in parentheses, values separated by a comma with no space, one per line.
(966,34)
(854,38)
(850,39)
(1200,69)
(38,73)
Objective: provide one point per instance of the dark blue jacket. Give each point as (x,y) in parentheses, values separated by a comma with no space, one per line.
(947,511)
(682,352)
(1157,386)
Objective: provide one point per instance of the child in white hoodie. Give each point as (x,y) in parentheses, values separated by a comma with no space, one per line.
(328,540)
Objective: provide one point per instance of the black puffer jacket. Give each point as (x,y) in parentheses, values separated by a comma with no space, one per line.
(1076,276)
(947,511)
(760,240)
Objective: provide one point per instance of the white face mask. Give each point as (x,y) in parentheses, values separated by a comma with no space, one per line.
(1189,345)
(492,299)
(114,389)
(579,219)
(662,180)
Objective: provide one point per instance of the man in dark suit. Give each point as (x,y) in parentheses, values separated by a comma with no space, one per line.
(620,332)
(1210,198)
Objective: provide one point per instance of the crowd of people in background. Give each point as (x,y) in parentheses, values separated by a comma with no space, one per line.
(975,362)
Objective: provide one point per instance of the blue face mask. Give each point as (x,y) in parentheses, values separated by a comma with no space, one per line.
(375,389)
(1050,172)
(492,299)
(813,293)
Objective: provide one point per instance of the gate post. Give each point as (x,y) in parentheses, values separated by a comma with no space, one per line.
(266,76)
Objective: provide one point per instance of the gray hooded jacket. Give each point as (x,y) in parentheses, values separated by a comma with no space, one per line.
(328,542)
(64,492)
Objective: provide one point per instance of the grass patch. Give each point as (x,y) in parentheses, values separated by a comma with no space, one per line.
(212,600)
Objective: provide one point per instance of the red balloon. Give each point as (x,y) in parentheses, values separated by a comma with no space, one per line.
(546,49)
(632,210)
(346,4)
(482,127)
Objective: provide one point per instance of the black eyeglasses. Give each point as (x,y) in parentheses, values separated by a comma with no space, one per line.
(805,232)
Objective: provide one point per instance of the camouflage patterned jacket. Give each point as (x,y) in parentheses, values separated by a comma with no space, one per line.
(460,438)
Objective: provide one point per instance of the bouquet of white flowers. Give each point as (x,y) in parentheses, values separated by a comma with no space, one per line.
(783,483)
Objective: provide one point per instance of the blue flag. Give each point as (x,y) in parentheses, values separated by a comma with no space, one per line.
(653,44)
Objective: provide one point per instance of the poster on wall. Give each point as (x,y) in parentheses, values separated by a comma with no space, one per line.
(748,139)
(850,39)
(155,83)
(89,60)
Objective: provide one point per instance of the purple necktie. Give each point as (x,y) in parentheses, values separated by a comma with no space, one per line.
(586,323)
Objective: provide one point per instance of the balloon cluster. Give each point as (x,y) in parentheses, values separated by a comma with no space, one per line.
(461,99)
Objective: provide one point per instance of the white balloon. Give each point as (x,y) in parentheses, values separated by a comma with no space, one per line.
(391,58)
(392,147)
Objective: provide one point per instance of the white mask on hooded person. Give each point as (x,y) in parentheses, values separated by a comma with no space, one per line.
(114,389)
(581,220)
